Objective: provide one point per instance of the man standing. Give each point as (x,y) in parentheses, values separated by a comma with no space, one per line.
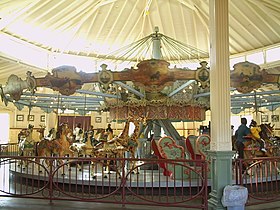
(240,133)
(109,129)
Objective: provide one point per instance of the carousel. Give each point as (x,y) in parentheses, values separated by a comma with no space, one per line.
(152,96)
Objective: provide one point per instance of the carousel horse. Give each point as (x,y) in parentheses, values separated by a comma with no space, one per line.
(252,147)
(109,135)
(41,131)
(59,146)
(26,143)
(267,132)
(133,141)
(99,135)
(83,149)
(46,147)
(112,148)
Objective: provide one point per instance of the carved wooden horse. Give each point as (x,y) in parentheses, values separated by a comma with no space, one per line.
(26,143)
(60,146)
(41,131)
(112,148)
(252,148)
(83,149)
(133,141)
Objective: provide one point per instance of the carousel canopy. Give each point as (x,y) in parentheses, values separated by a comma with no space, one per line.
(40,35)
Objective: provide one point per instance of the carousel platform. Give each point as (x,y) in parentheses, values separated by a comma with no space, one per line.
(143,178)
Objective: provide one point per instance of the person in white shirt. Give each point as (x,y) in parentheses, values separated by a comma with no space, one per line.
(78,132)
(50,135)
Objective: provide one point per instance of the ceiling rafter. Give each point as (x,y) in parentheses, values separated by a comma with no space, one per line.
(112,28)
(203,16)
(88,33)
(106,37)
(273,4)
(18,62)
(68,19)
(172,21)
(143,23)
(125,23)
(234,42)
(195,29)
(102,26)
(261,23)
(47,10)
(184,23)
(160,25)
(145,19)
(267,10)
(186,4)
(147,7)
(79,25)
(244,29)
(20,12)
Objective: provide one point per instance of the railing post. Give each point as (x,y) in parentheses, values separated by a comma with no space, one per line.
(51,181)
(123,182)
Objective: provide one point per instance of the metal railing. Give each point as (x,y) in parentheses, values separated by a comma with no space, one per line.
(186,188)
(88,180)
(9,149)
(261,176)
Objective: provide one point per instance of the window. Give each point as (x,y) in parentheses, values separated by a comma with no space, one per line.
(272,54)
(256,58)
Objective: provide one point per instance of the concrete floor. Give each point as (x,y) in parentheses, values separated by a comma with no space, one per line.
(35,204)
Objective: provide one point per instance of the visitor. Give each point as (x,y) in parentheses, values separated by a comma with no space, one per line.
(255,131)
(109,129)
(240,134)
(78,133)
(108,134)
(91,131)
(50,135)
(232,130)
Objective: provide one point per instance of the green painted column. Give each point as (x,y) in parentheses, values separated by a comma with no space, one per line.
(221,175)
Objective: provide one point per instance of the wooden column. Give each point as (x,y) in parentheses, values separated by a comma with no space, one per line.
(220,149)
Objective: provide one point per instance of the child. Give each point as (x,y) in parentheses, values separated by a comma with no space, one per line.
(255,130)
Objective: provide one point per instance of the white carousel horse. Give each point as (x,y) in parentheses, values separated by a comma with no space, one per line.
(83,149)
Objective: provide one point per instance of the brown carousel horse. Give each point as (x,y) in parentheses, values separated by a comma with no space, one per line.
(59,146)
(252,150)
(252,147)
(41,131)
(111,148)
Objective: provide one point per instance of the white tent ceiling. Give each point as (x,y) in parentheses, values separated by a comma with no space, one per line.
(94,28)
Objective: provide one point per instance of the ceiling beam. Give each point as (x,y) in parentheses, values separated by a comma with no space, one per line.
(18,13)
(180,88)
(97,94)
(130,89)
